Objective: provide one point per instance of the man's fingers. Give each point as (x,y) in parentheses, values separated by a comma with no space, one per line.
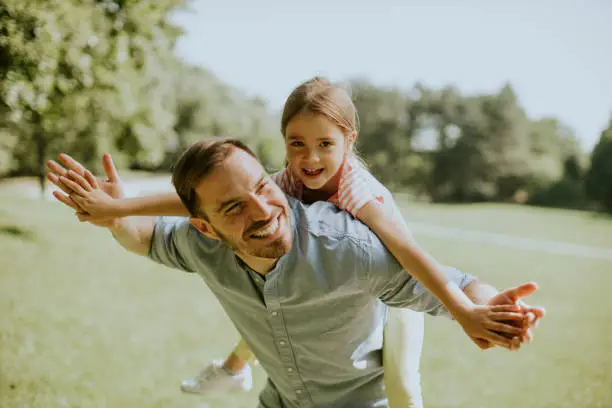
(527,337)
(56,168)
(538,312)
(91,179)
(53,178)
(72,164)
(536,323)
(83,216)
(65,199)
(109,168)
(80,180)
(75,187)
(515,344)
(521,291)
(482,344)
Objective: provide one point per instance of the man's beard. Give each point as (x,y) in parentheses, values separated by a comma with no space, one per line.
(273,250)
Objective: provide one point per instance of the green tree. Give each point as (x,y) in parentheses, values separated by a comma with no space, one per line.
(599,176)
(207,108)
(80,76)
(386,122)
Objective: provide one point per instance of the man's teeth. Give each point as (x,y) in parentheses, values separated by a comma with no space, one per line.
(271,229)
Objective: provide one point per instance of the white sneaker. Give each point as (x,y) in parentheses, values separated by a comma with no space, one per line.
(215,379)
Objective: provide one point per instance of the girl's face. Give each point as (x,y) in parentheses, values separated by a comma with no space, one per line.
(316,148)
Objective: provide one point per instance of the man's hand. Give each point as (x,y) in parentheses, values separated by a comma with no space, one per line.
(492,324)
(78,183)
(514,296)
(80,186)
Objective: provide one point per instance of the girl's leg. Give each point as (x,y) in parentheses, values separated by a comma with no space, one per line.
(403,342)
(241,353)
(234,374)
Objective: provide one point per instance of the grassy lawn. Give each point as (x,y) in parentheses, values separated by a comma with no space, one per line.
(86,324)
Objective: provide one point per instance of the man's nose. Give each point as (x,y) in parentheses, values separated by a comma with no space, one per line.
(260,209)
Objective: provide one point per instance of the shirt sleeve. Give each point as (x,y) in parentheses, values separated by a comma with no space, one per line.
(170,244)
(395,287)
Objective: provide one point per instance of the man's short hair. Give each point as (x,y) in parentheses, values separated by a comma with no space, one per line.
(197,162)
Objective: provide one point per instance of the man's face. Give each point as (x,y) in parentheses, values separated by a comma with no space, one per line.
(245,208)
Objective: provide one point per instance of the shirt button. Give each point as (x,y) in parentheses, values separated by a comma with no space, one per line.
(274,313)
(298,391)
(290,369)
(282,342)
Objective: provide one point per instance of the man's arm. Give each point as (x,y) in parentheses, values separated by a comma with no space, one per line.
(164,241)
(389,282)
(479,292)
(134,233)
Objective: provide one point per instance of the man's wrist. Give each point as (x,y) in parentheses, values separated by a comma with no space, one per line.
(480,293)
(117,227)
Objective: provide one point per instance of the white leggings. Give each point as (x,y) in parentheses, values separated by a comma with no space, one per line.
(403,343)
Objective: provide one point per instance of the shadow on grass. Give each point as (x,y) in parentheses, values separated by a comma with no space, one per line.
(18,232)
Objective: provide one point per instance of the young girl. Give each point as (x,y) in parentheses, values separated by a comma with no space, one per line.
(319,127)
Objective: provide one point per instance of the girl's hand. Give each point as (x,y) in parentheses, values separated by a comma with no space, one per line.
(501,325)
(90,197)
(94,202)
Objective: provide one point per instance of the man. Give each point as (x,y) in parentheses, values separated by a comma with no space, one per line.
(302,284)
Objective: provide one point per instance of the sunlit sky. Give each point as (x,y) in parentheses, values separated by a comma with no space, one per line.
(556,54)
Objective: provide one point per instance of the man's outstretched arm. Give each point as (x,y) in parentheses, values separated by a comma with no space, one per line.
(133,233)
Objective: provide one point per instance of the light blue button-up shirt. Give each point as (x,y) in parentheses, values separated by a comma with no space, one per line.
(315,322)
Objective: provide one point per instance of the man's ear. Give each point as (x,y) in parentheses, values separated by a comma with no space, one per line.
(204,227)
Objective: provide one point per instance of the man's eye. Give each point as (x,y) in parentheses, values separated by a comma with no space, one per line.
(264,183)
(326,144)
(234,208)
(296,144)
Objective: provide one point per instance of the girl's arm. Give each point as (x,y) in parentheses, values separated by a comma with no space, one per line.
(477,321)
(100,205)
(393,232)
(168,204)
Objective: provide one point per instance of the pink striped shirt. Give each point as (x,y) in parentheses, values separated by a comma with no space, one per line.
(357,187)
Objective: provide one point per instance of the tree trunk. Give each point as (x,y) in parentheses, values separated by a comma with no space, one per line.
(41,158)
(41,144)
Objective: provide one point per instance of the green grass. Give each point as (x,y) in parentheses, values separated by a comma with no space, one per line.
(86,324)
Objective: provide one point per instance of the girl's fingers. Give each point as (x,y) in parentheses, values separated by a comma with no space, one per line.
(500,316)
(72,164)
(75,187)
(80,180)
(503,328)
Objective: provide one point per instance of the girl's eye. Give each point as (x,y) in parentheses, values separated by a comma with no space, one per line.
(295,143)
(326,144)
